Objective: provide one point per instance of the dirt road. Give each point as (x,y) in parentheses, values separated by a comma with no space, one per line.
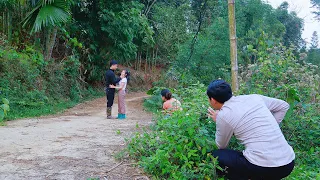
(78,144)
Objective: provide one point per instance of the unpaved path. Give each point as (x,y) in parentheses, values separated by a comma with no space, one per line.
(78,144)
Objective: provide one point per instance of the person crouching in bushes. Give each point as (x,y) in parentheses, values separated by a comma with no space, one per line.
(254,120)
(125,77)
(170,104)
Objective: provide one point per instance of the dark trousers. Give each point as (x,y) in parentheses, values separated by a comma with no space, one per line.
(110,96)
(238,167)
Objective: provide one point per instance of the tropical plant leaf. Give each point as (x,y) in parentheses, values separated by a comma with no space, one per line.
(5,108)
(5,101)
(47,13)
(50,16)
(1,115)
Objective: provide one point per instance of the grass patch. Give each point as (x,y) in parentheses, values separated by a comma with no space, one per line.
(52,107)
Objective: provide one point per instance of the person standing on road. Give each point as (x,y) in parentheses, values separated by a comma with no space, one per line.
(125,75)
(111,80)
(254,120)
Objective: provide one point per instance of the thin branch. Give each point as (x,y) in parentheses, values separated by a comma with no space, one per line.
(200,19)
(114,167)
(149,8)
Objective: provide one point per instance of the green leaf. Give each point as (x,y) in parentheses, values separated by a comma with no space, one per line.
(5,101)
(204,151)
(5,108)
(1,115)
(50,16)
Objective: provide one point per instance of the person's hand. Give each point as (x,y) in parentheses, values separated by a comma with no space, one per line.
(112,86)
(212,114)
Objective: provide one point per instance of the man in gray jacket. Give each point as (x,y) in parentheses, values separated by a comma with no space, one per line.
(254,121)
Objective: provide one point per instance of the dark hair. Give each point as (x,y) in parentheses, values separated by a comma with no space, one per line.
(166,94)
(113,62)
(219,90)
(127,74)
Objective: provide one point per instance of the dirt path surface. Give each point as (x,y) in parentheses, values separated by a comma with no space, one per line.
(78,144)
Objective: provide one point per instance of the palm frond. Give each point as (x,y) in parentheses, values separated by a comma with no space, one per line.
(47,13)
(31,16)
(50,15)
(47,2)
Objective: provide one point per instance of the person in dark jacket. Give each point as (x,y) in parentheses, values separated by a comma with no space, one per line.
(111,80)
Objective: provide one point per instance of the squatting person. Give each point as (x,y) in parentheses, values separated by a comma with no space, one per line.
(170,104)
(254,121)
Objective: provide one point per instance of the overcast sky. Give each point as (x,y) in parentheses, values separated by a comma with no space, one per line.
(304,11)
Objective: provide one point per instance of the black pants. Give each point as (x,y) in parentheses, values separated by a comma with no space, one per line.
(238,167)
(110,96)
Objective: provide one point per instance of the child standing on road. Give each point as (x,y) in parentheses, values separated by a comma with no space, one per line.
(125,75)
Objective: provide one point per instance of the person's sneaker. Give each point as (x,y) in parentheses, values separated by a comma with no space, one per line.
(121,116)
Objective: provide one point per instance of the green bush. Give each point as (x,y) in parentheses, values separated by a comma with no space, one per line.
(4,108)
(166,150)
(180,146)
(37,87)
(278,74)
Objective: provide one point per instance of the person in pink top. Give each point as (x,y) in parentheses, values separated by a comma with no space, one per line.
(125,77)
(170,104)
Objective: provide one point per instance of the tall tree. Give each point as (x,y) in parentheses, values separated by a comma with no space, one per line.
(316,4)
(314,52)
(314,40)
(233,45)
(48,15)
(292,23)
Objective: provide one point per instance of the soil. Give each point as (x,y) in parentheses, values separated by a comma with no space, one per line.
(77,144)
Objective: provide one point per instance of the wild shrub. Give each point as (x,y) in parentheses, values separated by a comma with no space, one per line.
(164,150)
(35,86)
(4,108)
(278,74)
(180,146)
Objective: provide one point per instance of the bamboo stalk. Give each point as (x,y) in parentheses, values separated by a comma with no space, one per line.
(233,45)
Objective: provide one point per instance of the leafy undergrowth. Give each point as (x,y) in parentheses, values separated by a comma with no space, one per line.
(23,110)
(180,146)
(38,87)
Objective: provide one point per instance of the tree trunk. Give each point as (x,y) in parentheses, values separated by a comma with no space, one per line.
(146,63)
(47,43)
(52,41)
(4,22)
(9,19)
(140,61)
(233,45)
(51,34)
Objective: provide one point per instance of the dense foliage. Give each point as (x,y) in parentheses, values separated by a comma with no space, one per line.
(53,52)
(31,83)
(178,147)
(277,74)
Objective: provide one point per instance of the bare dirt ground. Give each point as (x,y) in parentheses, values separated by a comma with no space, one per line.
(78,144)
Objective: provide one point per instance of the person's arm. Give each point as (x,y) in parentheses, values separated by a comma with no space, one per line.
(165,106)
(118,87)
(277,107)
(224,133)
(115,80)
